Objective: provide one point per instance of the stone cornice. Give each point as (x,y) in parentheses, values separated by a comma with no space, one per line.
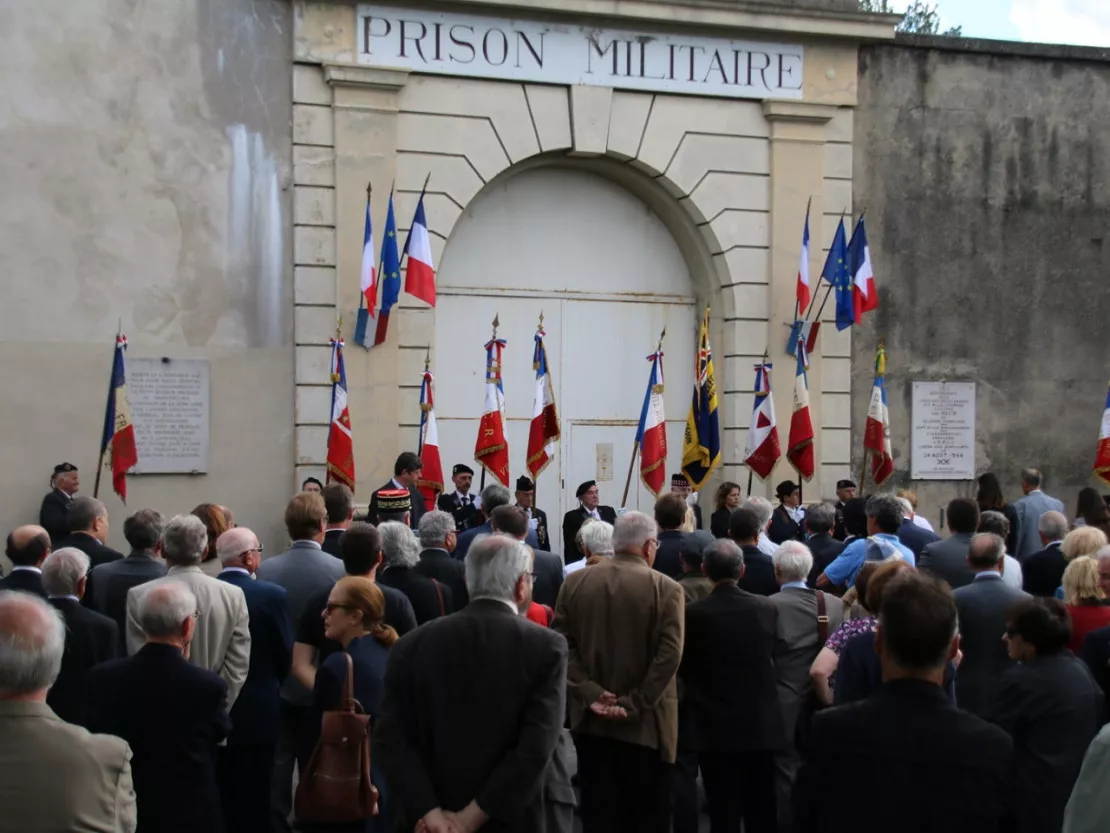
(352,75)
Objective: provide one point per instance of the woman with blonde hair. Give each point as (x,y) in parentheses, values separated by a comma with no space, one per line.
(1085,601)
(354,617)
(1083,540)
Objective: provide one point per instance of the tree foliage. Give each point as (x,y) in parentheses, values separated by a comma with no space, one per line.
(921,18)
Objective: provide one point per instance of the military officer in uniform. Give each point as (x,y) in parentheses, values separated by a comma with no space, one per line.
(55,506)
(680,485)
(845,491)
(460,504)
(537,518)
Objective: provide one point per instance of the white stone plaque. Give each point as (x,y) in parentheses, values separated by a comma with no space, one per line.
(169,408)
(604,452)
(943,440)
(449,43)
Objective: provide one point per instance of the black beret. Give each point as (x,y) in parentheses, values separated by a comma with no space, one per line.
(524,484)
(461,468)
(585,487)
(845,484)
(62,468)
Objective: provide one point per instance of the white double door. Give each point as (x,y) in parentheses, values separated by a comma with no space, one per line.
(597,353)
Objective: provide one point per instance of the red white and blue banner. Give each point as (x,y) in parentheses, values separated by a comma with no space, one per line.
(652,431)
(491,451)
(803,288)
(876,436)
(420,272)
(865,297)
(431,476)
(341,455)
(119,433)
(544,430)
(762,451)
(1102,456)
(799,446)
(368,279)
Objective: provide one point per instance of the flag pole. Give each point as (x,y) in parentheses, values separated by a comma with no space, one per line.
(111,374)
(536,482)
(762,364)
(423,413)
(636,443)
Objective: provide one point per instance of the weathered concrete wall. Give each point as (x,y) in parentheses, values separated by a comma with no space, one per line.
(146,154)
(985,172)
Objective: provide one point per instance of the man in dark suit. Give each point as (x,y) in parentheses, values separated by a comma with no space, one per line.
(537,518)
(983,606)
(437,540)
(786,520)
(1049,703)
(88,531)
(947,559)
(406,475)
(52,516)
(493,495)
(588,507)
(400,555)
(820,518)
(170,712)
(461,504)
(109,583)
(27,548)
(913,536)
(246,764)
(759,571)
(340,505)
(904,740)
(729,711)
(474,756)
(547,569)
(1043,571)
(622,681)
(670,512)
(90,638)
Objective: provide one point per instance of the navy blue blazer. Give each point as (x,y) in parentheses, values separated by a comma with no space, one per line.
(467,538)
(254,716)
(915,537)
(25,581)
(172,715)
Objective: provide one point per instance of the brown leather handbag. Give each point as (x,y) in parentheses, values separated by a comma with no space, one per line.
(335,786)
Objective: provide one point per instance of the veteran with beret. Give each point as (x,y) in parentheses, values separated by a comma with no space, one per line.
(589,499)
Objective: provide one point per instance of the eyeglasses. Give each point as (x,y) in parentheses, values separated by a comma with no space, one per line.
(331,607)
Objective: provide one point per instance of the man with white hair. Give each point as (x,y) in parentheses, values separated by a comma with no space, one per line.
(910,533)
(806,619)
(90,638)
(171,712)
(1043,571)
(763,511)
(438,536)
(53,775)
(621,680)
(222,642)
(400,555)
(246,764)
(473,706)
(594,538)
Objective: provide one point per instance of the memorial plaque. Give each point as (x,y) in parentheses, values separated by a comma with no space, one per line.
(604,452)
(169,408)
(943,439)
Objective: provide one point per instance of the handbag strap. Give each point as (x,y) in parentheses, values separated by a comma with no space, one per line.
(348,703)
(822,619)
(439,592)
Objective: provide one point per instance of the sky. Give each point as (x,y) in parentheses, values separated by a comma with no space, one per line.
(1082,22)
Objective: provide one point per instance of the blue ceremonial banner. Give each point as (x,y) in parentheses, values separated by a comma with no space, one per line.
(391,274)
(839,277)
(701,448)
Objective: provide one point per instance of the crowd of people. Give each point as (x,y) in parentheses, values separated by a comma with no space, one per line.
(439,670)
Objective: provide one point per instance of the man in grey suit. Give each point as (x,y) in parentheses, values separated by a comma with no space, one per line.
(1029,510)
(54,776)
(801,636)
(303,570)
(947,559)
(222,640)
(982,607)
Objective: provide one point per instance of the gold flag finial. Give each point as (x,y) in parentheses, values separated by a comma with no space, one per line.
(496,323)
(541,320)
(369,189)
(662,336)
(427,359)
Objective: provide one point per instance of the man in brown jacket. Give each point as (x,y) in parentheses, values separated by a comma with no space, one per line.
(623,622)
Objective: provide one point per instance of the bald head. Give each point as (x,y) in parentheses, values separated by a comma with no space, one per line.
(32,640)
(239,547)
(28,546)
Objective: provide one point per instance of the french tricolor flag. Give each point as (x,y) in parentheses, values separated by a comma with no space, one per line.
(865,297)
(543,432)
(652,432)
(368,281)
(1102,456)
(420,275)
(803,287)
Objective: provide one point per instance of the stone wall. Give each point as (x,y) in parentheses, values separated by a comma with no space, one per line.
(145,164)
(984,170)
